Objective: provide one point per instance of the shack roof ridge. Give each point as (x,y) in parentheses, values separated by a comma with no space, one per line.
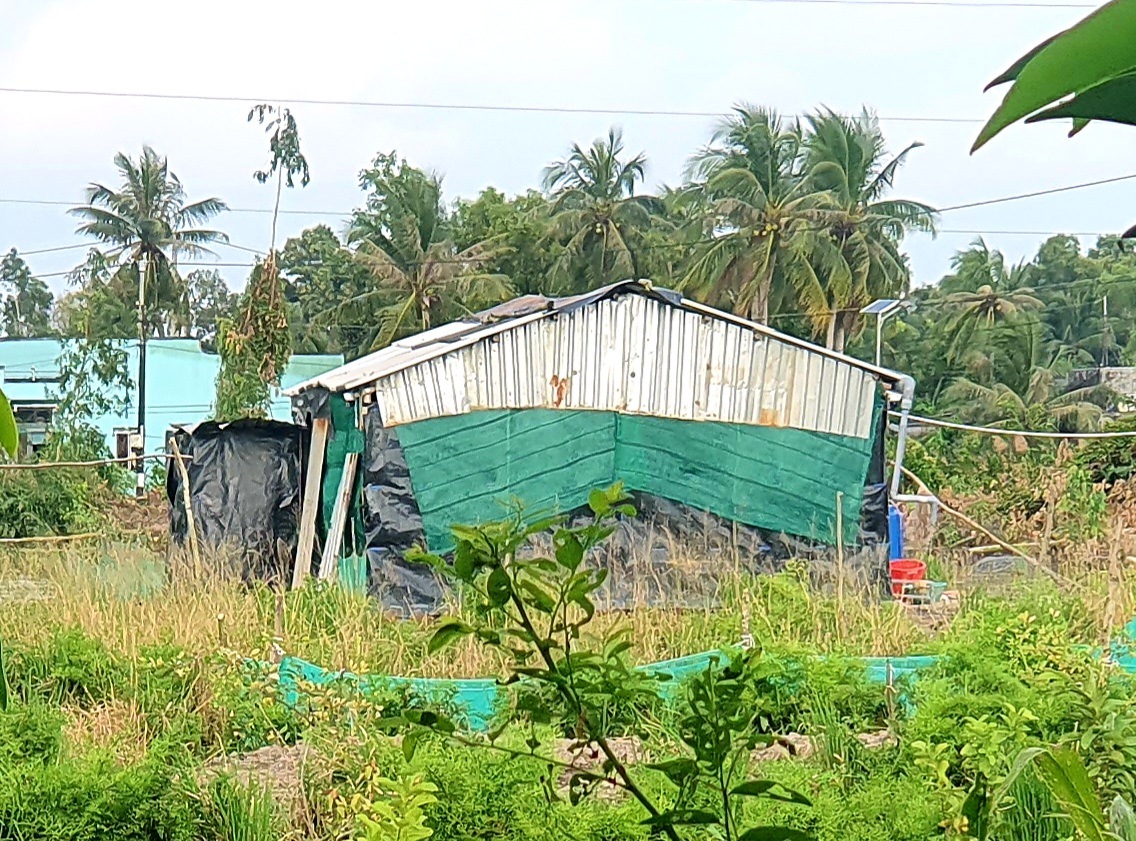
(525,309)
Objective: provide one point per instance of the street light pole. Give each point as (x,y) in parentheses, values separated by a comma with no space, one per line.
(884,309)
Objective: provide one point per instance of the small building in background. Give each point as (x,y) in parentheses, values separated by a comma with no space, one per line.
(1121,381)
(181,382)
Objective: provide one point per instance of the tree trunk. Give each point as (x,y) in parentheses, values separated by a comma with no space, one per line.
(759,310)
(840,333)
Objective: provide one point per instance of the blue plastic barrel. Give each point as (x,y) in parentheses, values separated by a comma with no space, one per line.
(895,532)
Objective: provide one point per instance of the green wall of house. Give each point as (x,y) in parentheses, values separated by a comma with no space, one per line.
(463,466)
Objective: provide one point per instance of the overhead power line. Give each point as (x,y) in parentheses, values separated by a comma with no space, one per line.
(194,264)
(462,106)
(263,210)
(1036,193)
(340,214)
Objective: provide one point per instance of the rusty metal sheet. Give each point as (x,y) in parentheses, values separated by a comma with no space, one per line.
(638,354)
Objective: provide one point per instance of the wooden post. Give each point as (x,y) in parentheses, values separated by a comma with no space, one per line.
(310,510)
(840,558)
(338,518)
(187,499)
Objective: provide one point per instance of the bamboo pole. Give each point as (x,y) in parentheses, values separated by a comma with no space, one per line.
(187,498)
(989,535)
(102,462)
(51,538)
(840,558)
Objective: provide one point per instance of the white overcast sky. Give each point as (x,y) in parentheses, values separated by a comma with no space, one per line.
(694,55)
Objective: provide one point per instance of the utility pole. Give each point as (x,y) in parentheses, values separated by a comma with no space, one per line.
(140,441)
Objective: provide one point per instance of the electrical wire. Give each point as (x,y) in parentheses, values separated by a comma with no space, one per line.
(463,106)
(1036,193)
(180,264)
(259,210)
(1022,433)
(950,208)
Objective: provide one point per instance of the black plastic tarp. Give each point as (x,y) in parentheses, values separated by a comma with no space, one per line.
(669,555)
(244,482)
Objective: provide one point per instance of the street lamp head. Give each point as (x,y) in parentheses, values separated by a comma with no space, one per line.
(880,307)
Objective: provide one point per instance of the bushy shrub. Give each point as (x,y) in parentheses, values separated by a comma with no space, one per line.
(35,503)
(30,733)
(484,795)
(68,668)
(1110,460)
(93,799)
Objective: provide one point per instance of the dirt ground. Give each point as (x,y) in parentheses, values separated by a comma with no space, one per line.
(147,517)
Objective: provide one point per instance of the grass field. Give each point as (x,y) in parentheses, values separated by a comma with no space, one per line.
(137,709)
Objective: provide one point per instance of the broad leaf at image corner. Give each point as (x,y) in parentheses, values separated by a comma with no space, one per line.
(1095,51)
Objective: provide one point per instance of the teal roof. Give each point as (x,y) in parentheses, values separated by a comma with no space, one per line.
(181,381)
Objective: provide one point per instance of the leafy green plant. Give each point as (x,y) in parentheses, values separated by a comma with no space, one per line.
(382,809)
(255,347)
(30,733)
(1103,730)
(1064,774)
(537,609)
(69,668)
(49,502)
(1109,460)
(1083,506)
(93,797)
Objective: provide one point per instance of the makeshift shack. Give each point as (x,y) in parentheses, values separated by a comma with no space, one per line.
(705,415)
(244,486)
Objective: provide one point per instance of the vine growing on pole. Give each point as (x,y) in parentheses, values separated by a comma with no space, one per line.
(255,346)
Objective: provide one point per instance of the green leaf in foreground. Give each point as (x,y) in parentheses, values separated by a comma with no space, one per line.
(447,633)
(683,817)
(1065,776)
(1099,48)
(1113,101)
(772,791)
(9,435)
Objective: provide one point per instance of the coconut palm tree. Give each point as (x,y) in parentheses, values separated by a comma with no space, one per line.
(765,224)
(847,157)
(146,225)
(1016,385)
(596,213)
(419,278)
(983,292)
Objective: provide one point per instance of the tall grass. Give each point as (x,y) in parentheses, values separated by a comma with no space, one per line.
(234,811)
(128,598)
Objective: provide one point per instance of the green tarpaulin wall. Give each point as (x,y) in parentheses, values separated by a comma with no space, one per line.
(461,467)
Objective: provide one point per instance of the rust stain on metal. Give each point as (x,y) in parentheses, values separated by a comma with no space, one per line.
(559,390)
(769,417)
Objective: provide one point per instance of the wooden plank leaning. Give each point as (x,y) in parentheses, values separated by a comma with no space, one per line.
(310,510)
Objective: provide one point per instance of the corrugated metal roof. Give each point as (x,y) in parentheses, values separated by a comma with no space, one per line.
(648,352)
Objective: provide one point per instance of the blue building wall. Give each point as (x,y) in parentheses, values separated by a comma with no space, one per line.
(181,382)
